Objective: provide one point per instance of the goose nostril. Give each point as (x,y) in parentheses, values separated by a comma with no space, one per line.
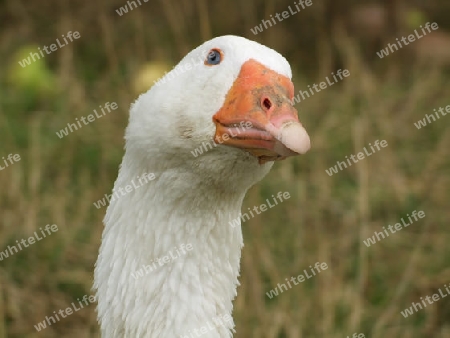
(266,103)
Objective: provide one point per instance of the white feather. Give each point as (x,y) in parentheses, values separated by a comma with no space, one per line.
(190,201)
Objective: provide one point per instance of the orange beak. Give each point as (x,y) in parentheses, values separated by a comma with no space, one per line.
(258,115)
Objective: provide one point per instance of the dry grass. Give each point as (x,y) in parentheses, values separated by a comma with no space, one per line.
(325,220)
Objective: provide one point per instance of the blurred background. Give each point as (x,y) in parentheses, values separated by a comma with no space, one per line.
(117,57)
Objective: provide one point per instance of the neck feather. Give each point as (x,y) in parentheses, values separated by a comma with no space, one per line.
(169,259)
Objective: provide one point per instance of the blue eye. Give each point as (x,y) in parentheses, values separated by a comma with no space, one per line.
(214,57)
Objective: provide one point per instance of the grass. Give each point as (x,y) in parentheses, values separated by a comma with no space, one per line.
(325,220)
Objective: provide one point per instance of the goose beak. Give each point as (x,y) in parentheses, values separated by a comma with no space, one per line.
(258,115)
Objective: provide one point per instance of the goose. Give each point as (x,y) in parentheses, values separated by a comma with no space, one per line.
(175,228)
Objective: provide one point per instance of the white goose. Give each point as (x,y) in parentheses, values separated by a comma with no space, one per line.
(192,199)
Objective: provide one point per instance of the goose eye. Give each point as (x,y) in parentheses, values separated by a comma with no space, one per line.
(214,57)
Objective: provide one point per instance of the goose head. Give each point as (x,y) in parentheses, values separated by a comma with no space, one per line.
(225,110)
